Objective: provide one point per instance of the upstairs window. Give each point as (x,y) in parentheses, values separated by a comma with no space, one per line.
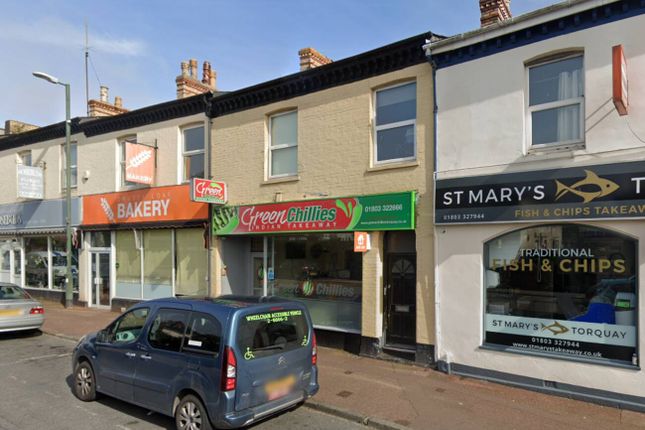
(556,102)
(193,153)
(395,123)
(24,158)
(283,145)
(122,182)
(73,166)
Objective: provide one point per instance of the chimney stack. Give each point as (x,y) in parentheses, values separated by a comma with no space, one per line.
(310,58)
(494,11)
(189,84)
(102,107)
(11,126)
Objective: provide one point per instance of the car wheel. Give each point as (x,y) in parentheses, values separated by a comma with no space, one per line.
(84,382)
(191,415)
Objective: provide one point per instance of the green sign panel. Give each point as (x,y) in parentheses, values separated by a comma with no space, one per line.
(364,213)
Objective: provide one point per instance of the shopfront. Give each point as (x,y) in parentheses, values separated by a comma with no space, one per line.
(539,277)
(33,246)
(144,244)
(307,250)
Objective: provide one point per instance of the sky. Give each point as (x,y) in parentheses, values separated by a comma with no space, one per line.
(136,47)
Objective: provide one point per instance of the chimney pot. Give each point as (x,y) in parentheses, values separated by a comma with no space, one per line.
(206,75)
(494,11)
(104,94)
(184,68)
(193,68)
(118,102)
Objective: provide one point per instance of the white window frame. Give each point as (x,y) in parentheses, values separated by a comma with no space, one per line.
(21,157)
(63,165)
(575,143)
(120,147)
(184,179)
(271,147)
(377,128)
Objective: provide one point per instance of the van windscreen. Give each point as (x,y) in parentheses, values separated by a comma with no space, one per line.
(268,333)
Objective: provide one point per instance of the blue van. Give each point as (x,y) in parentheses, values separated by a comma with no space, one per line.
(221,362)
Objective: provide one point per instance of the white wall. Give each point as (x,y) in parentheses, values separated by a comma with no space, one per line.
(481,121)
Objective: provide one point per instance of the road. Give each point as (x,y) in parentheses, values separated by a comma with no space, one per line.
(35,375)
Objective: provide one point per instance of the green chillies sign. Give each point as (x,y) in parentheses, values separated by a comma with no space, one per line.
(364,213)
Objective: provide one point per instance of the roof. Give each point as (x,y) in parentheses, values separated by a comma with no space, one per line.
(386,59)
(546,23)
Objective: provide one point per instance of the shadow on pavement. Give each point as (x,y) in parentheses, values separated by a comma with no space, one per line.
(137,413)
(21,334)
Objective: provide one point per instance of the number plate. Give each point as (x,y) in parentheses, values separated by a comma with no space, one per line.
(280,387)
(10,312)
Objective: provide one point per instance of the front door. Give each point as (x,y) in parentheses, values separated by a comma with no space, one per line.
(100,278)
(5,262)
(400,299)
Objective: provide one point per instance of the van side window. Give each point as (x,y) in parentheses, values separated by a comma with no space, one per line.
(128,327)
(204,334)
(167,329)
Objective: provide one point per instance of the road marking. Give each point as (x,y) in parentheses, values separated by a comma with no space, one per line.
(119,426)
(94,414)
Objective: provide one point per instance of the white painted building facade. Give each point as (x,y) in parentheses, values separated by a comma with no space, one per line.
(538,267)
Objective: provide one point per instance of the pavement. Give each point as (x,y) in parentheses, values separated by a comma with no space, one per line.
(393,396)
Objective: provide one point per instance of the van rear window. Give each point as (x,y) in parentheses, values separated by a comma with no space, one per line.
(266,334)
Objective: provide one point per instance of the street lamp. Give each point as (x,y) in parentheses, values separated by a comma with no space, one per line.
(69,295)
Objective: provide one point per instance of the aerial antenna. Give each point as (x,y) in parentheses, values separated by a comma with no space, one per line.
(87,88)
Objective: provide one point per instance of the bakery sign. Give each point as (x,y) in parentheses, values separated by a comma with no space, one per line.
(158,204)
(610,191)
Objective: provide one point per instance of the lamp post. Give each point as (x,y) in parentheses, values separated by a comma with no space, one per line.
(69,295)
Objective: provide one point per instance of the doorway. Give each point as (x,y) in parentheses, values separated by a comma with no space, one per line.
(100,280)
(400,289)
(257,273)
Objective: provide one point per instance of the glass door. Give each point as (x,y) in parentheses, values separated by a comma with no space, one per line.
(100,278)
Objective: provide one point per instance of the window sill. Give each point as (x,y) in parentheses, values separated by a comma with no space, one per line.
(281,180)
(567,149)
(395,165)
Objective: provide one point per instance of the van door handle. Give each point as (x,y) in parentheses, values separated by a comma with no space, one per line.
(130,354)
(146,356)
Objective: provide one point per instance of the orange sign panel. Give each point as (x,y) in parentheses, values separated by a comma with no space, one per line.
(619,75)
(139,163)
(157,204)
(361,241)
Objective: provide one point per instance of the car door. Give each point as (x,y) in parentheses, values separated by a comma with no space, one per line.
(116,354)
(159,362)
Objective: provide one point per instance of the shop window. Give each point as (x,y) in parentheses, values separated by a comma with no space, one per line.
(128,265)
(556,102)
(191,263)
(36,262)
(324,272)
(395,122)
(157,263)
(283,145)
(193,153)
(567,290)
(100,239)
(59,262)
(73,165)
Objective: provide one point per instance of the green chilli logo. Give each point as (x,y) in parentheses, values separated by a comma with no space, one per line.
(352,212)
(307,288)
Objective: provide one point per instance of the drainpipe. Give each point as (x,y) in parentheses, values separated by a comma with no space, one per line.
(208,97)
(435,111)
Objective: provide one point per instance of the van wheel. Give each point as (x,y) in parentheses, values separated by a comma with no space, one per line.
(84,382)
(191,415)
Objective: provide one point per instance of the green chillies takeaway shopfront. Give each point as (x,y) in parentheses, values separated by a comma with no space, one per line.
(305,250)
